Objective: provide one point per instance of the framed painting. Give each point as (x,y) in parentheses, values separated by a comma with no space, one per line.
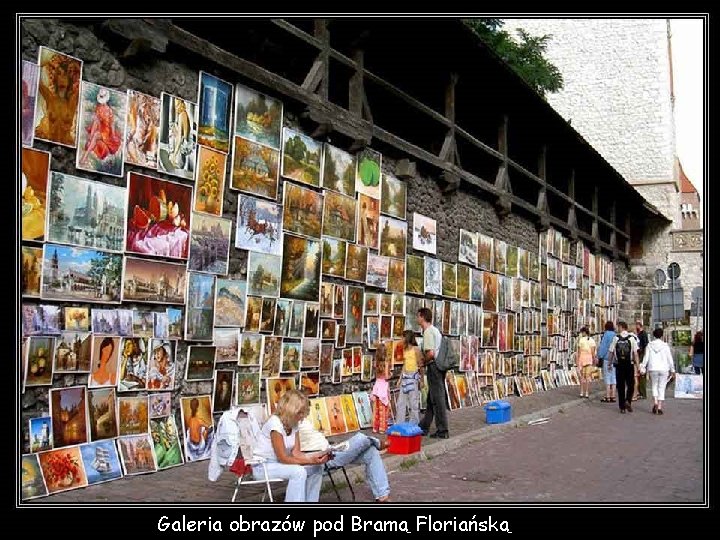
(271,356)
(259,226)
(372,303)
(32,483)
(393,237)
(158,217)
(177,136)
(105,360)
(248,387)
(368,221)
(209,244)
(198,426)
(334,256)
(310,383)
(258,117)
(263,274)
(200,316)
(267,315)
(310,353)
(227,343)
(255,168)
(312,320)
(415,274)
(356,263)
(40,434)
(354,314)
(485,252)
(367,174)
(34,193)
(160,404)
(214,109)
(339,308)
(230,302)
(449,280)
(433,276)
(468,250)
(326,358)
(301,267)
(161,365)
(393,199)
(396,276)
(327,297)
(210,181)
(72,351)
(339,212)
(463,282)
(133,415)
(68,410)
(297,320)
(63,469)
(336,377)
(30,76)
(319,415)
(143,126)
(424,234)
(338,171)
(132,364)
(301,158)
(154,282)
(200,364)
(137,454)
(302,210)
(377,271)
(276,387)
(166,442)
(38,361)
(101,130)
(251,350)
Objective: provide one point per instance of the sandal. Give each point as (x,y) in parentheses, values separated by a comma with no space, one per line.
(606,400)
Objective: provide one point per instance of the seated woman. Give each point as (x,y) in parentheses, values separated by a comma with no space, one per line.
(279,444)
(360,449)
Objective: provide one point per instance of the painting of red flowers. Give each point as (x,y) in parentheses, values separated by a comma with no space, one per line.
(63,469)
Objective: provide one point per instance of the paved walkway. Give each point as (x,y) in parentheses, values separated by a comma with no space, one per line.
(571,458)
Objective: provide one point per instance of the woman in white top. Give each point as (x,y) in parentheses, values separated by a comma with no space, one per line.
(659,363)
(279,444)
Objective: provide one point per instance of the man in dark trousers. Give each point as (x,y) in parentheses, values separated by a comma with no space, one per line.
(643,340)
(624,351)
(437,399)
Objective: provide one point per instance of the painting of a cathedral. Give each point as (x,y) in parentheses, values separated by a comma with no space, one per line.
(154,281)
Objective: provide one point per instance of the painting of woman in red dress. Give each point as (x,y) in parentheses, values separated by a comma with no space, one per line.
(102,127)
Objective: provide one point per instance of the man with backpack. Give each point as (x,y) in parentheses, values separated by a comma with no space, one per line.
(624,351)
(437,400)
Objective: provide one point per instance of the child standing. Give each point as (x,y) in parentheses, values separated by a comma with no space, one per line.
(410,381)
(380,392)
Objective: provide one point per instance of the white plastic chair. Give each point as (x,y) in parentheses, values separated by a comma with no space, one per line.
(249,433)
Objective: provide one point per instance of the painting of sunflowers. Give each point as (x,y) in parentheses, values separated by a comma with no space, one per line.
(210,181)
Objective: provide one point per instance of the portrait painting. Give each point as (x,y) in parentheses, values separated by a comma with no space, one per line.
(248,387)
(339,308)
(368,221)
(356,263)
(312,320)
(500,257)
(32,483)
(58,97)
(101,130)
(255,168)
(80,274)
(209,181)
(367,173)
(372,303)
(40,433)
(283,312)
(326,358)
(512,261)
(336,377)
(158,217)
(34,192)
(334,255)
(105,358)
(354,315)
(339,214)
(302,210)
(373,332)
(385,327)
(230,302)
(356,360)
(433,276)
(310,383)
(310,353)
(68,410)
(363,409)
(396,276)
(463,282)
(30,76)
(485,252)
(271,356)
(39,361)
(397,304)
(263,274)
(177,136)
(490,330)
(336,415)
(377,271)
(200,307)
(327,297)
(276,388)
(351,417)
(214,110)
(200,364)
(393,237)
(447,317)
(223,390)
(258,117)
(166,442)
(319,416)
(161,366)
(176,323)
(297,320)
(449,280)
(340,339)
(468,250)
(143,126)
(160,404)
(132,365)
(291,354)
(227,343)
(152,281)
(347,358)
(338,171)
(137,454)
(198,427)
(502,332)
(490,291)
(63,469)
(259,226)
(301,266)
(301,157)
(398,326)
(85,213)
(102,414)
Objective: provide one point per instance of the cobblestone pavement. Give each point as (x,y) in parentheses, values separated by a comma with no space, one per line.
(574,457)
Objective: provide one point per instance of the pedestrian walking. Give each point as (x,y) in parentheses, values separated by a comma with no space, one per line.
(640,380)
(603,353)
(697,353)
(410,381)
(624,353)
(658,363)
(437,403)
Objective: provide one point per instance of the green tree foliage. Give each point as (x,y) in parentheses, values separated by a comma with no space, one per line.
(525,57)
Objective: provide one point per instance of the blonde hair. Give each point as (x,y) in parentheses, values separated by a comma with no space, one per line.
(290,404)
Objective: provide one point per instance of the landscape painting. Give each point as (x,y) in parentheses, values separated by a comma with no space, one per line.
(393,196)
(230,302)
(263,275)
(463,282)
(302,210)
(301,267)
(393,237)
(356,263)
(137,454)
(102,414)
(86,213)
(511,261)
(255,168)
(415,274)
(424,234)
(251,350)
(368,221)
(259,226)
(209,244)
(485,252)
(396,276)
(248,388)
(367,175)
(301,158)
(377,271)
(468,250)
(200,364)
(500,261)
(35,175)
(258,117)
(81,274)
(338,171)
(227,343)
(32,481)
(214,109)
(339,216)
(449,280)
(210,181)
(156,282)
(433,276)
(158,217)
(334,253)
(177,136)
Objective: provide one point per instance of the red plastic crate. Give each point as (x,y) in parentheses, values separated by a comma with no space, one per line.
(404,445)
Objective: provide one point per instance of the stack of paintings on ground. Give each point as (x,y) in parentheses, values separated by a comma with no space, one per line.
(166,310)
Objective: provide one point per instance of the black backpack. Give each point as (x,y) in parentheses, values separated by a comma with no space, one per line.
(623,350)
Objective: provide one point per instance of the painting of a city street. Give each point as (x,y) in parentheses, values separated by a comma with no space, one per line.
(86,213)
(112,322)
(81,274)
(210,244)
(154,281)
